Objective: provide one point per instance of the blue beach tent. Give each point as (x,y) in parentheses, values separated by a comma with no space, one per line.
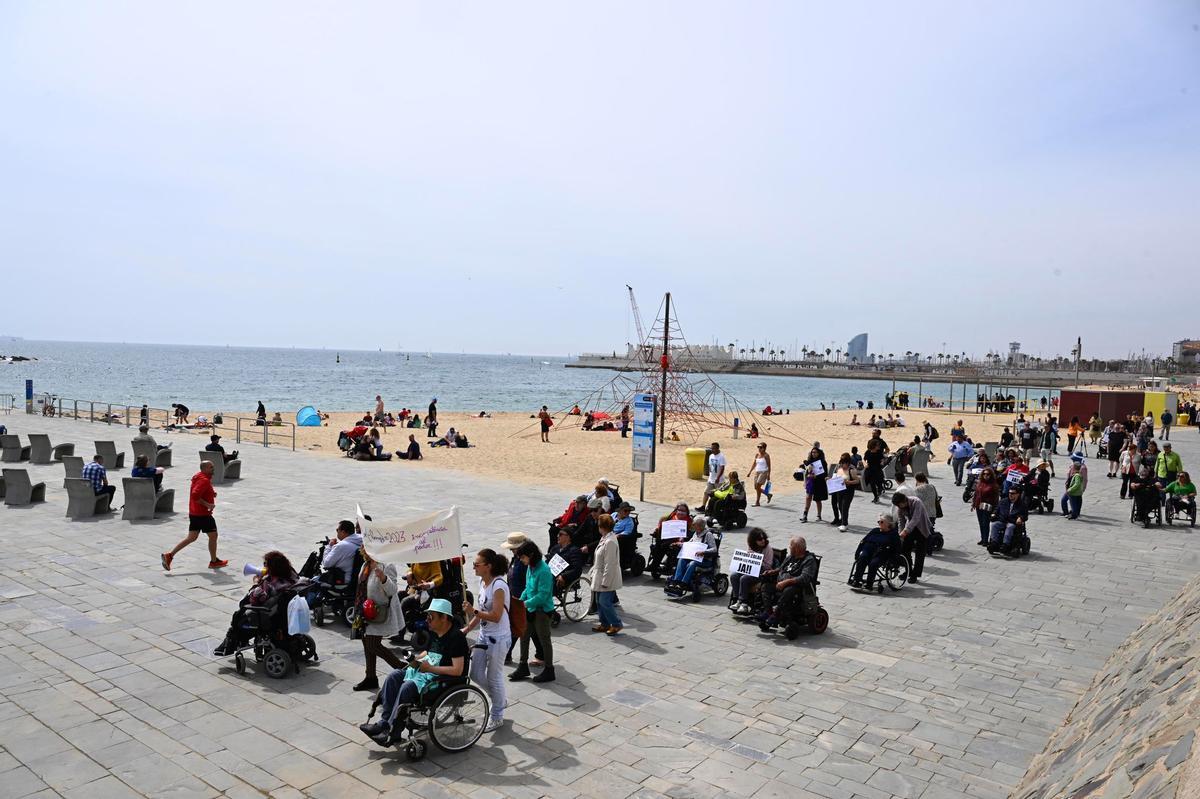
(308,417)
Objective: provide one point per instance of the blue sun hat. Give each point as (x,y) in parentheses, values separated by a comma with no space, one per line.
(441,606)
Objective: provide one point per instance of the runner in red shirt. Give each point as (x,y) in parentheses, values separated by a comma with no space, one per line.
(201,502)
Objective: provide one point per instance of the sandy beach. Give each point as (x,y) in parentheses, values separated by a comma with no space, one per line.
(508,446)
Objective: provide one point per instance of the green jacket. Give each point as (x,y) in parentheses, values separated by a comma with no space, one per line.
(539,588)
(1075,487)
(1168,462)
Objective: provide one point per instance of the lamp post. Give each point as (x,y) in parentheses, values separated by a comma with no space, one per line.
(1078,353)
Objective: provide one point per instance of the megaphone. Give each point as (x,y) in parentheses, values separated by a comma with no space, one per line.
(250,570)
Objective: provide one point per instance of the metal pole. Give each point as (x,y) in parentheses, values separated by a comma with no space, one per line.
(642,490)
(266,443)
(238,426)
(664,361)
(951,404)
(1078,357)
(108,417)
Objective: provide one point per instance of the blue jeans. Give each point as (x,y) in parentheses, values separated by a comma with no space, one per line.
(396,691)
(684,569)
(1072,505)
(959,464)
(608,614)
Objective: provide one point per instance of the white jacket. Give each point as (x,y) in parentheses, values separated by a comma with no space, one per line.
(384,595)
(606,571)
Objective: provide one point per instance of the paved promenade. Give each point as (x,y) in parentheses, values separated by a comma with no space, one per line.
(943,690)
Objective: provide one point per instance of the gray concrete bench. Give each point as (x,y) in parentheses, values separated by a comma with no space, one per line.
(11,450)
(141,502)
(155,457)
(42,451)
(83,501)
(73,464)
(112,458)
(18,489)
(222,471)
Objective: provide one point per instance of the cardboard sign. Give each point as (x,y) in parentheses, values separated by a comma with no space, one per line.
(746,562)
(836,483)
(818,468)
(674,528)
(557,565)
(692,550)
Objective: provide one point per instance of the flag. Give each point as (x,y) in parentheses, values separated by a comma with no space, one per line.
(423,540)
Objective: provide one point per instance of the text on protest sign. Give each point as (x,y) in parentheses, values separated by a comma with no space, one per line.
(423,540)
(674,528)
(836,483)
(692,550)
(746,562)
(557,564)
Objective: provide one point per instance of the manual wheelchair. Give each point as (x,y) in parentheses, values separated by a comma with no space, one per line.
(337,591)
(574,601)
(892,571)
(1178,509)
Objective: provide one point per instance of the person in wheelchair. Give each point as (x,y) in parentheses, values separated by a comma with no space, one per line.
(1038,487)
(874,550)
(445,658)
(574,557)
(1147,498)
(575,515)
(797,574)
(659,551)
(625,529)
(1011,513)
(1181,494)
(745,587)
(685,570)
(276,576)
(336,566)
(726,499)
(421,581)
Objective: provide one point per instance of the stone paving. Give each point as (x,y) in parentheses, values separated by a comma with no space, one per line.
(946,689)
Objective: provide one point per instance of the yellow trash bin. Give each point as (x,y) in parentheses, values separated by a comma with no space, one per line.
(695,457)
(1183,419)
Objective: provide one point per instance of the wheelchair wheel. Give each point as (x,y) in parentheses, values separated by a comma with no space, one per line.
(458,719)
(577,599)
(306,649)
(1170,511)
(637,565)
(555,618)
(720,585)
(349,613)
(818,622)
(415,750)
(277,663)
(319,616)
(791,631)
(239,663)
(1025,545)
(740,519)
(895,572)
(887,484)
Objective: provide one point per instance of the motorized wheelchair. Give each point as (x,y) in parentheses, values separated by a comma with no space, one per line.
(663,557)
(267,628)
(1146,507)
(727,513)
(452,714)
(416,623)
(807,613)
(1178,508)
(1020,544)
(756,595)
(337,591)
(632,561)
(707,575)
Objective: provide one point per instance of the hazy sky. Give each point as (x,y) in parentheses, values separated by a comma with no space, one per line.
(487,177)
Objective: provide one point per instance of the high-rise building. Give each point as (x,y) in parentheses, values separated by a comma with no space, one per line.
(856,349)
(1186,351)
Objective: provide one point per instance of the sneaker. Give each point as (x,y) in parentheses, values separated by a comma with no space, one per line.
(166,559)
(804,519)
(914,580)
(842,528)
(217,564)
(374,728)
(769,498)
(493,725)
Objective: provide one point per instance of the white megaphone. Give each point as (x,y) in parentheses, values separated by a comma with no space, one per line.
(250,570)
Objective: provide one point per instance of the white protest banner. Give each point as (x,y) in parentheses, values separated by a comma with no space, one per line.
(692,550)
(423,540)
(557,565)
(836,483)
(674,528)
(746,562)
(818,468)
(976,471)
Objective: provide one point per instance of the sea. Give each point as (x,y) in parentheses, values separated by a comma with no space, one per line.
(237,378)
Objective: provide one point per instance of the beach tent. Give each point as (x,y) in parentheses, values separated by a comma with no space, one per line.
(308,417)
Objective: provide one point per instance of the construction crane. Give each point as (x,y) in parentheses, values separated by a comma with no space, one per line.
(637,316)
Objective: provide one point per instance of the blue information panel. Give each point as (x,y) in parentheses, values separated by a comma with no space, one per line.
(645,417)
(28,396)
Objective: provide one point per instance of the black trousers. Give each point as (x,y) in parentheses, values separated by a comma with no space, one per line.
(841,504)
(915,546)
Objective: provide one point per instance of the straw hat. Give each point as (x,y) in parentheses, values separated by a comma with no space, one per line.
(514,540)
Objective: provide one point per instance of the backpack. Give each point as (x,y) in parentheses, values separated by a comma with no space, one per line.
(933,433)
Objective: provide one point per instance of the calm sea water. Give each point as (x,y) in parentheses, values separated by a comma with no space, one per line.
(236,378)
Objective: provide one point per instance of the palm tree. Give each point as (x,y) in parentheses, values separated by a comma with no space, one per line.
(772,354)
(839,355)
(891,355)
(827,351)
(804,352)
(781,353)
(761,350)
(742,352)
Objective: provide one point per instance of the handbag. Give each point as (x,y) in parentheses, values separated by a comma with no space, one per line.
(938,508)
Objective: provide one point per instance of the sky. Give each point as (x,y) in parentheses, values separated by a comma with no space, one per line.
(489,177)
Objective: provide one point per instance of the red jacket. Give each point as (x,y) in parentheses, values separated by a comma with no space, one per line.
(571,516)
(201,489)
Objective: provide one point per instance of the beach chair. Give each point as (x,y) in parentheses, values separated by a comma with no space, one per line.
(918,460)
(11,450)
(18,489)
(83,502)
(222,471)
(42,451)
(155,456)
(74,467)
(141,502)
(112,458)
(991,449)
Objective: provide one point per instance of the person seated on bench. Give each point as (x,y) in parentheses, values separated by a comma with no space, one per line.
(1181,493)
(797,573)
(142,468)
(445,657)
(97,475)
(277,575)
(572,554)
(681,583)
(338,561)
(414,450)
(215,446)
(874,550)
(144,435)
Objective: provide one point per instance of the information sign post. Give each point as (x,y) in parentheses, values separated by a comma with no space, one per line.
(645,412)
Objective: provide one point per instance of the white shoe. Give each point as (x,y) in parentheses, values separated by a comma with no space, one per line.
(842,528)
(743,609)
(493,725)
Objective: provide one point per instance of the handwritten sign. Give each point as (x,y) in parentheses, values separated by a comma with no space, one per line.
(557,565)
(423,540)
(692,550)
(674,528)
(746,562)
(818,468)
(836,483)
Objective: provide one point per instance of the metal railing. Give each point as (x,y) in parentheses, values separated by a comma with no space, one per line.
(8,402)
(243,429)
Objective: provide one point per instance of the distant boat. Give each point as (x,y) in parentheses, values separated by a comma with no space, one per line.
(545,363)
(429,355)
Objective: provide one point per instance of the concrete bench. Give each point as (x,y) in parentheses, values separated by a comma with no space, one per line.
(112,458)
(11,450)
(42,451)
(222,471)
(18,489)
(83,501)
(155,457)
(141,501)
(991,449)
(73,464)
